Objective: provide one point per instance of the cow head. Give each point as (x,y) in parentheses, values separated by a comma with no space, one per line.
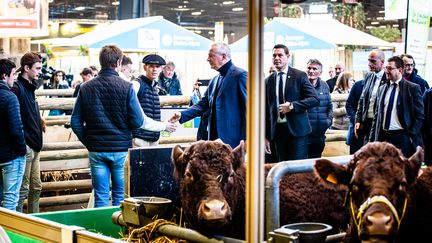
(211,178)
(378,178)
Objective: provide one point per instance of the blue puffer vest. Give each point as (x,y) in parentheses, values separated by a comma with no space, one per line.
(320,117)
(150,103)
(104,108)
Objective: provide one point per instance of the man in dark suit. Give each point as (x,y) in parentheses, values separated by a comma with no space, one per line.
(339,68)
(400,113)
(224,99)
(366,105)
(289,94)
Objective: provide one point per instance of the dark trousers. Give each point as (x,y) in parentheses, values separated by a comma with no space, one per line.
(354,143)
(289,147)
(316,146)
(400,139)
(366,129)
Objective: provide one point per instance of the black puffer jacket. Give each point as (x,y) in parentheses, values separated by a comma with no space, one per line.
(150,103)
(30,115)
(12,142)
(103,104)
(320,117)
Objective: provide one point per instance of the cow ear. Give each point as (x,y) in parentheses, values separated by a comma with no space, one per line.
(332,172)
(414,163)
(239,155)
(177,158)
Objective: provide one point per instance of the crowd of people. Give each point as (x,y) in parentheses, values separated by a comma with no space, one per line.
(116,111)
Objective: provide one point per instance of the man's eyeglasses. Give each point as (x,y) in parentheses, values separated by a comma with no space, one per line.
(409,65)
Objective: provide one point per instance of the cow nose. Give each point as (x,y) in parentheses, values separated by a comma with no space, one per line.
(378,224)
(213,209)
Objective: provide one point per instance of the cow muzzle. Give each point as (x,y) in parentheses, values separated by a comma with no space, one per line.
(377,226)
(214,210)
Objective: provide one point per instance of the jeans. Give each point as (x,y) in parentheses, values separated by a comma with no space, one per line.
(106,165)
(12,173)
(31,186)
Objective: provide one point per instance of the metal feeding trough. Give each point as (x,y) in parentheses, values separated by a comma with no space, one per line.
(139,211)
(307,232)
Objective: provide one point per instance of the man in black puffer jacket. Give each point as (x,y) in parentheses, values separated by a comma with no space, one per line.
(147,91)
(12,142)
(320,117)
(105,113)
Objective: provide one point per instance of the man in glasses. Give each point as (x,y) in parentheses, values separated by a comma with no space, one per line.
(399,113)
(410,72)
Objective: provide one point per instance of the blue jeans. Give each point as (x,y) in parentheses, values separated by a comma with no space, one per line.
(106,165)
(12,173)
(31,186)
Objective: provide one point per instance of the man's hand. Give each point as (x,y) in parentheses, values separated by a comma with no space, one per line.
(197,84)
(175,117)
(170,127)
(43,125)
(285,107)
(356,127)
(267,146)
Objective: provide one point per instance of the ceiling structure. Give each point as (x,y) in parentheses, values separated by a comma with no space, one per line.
(196,15)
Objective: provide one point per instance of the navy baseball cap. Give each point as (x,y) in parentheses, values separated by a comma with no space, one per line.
(153,59)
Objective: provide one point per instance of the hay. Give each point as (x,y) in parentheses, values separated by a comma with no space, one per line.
(64,175)
(149,233)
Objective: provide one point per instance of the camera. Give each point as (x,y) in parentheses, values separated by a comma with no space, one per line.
(47,73)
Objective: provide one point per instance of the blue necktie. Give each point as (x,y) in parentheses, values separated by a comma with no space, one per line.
(281,93)
(390,107)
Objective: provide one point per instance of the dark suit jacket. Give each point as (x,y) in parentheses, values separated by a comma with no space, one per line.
(230,106)
(300,92)
(410,111)
(363,104)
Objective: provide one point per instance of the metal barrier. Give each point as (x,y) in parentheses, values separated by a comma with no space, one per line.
(272,193)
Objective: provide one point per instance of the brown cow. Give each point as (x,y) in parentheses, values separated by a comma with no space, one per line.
(388,203)
(212,189)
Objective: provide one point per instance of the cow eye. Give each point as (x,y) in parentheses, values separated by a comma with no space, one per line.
(354,188)
(231,177)
(188,175)
(402,186)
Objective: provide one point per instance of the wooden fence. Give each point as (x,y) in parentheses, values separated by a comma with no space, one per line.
(70,155)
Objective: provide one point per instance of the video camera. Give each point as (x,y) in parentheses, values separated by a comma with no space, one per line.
(47,73)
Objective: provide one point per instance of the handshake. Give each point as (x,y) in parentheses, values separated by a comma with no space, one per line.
(170,123)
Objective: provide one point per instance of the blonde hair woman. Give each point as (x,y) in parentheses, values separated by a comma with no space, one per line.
(343,86)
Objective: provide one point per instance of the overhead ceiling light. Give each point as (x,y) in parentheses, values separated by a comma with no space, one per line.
(116,3)
(196,13)
(228,2)
(237,9)
(375,22)
(79,8)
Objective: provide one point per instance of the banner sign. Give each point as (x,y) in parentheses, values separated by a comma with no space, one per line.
(23,18)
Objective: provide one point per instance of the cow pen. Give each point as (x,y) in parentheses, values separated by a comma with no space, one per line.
(72,155)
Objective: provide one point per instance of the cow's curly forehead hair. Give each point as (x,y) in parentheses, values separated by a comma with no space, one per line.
(377,151)
(208,152)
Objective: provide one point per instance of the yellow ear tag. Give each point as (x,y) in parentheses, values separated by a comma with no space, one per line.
(331,178)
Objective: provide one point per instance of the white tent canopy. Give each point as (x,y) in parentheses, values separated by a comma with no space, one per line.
(300,34)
